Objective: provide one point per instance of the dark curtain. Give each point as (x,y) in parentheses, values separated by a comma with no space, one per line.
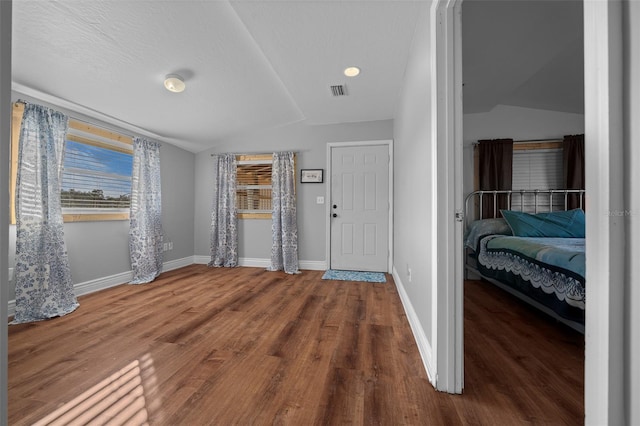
(573,166)
(496,167)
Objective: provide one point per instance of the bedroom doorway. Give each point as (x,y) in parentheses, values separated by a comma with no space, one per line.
(359,208)
(504,100)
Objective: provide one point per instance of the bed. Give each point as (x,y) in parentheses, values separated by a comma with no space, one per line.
(533,248)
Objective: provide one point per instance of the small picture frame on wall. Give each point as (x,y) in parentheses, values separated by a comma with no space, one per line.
(311,175)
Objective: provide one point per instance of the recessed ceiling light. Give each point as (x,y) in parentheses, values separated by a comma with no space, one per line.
(352,71)
(174,83)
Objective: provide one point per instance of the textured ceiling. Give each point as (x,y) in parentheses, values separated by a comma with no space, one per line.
(248,65)
(252,65)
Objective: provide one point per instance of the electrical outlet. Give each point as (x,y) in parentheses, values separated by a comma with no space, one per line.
(170,245)
(165,246)
(319,200)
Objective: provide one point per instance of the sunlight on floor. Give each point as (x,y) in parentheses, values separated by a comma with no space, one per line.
(118,399)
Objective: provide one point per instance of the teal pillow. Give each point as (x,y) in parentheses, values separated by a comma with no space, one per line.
(561,224)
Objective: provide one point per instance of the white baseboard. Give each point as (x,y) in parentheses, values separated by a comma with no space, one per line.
(312,265)
(254,262)
(177,263)
(201,260)
(424,347)
(103,283)
(242,261)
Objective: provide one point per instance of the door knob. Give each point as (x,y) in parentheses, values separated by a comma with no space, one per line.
(335,215)
(335,206)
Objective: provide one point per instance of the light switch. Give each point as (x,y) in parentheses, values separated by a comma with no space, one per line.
(319,200)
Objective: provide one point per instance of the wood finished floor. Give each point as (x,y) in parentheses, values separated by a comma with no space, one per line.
(244,346)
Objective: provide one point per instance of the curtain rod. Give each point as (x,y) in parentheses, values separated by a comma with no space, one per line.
(531,140)
(539,140)
(21,101)
(249,153)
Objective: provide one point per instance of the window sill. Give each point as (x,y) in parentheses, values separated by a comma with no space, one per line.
(94,217)
(254,215)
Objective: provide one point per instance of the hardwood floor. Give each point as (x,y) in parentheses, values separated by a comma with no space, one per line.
(245,346)
(520,361)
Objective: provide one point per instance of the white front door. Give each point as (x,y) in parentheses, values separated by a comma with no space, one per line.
(359,208)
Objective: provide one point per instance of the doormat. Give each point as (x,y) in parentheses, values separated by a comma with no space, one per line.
(369,277)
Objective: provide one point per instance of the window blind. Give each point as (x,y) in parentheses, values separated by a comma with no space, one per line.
(254,186)
(537,169)
(97,169)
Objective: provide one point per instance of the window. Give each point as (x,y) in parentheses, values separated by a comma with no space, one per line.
(96,177)
(536,165)
(538,169)
(253,186)
(253,192)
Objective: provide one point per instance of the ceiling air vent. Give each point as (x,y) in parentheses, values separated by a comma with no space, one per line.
(338,90)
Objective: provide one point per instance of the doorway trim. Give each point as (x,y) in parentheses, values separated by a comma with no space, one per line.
(446,116)
(604,395)
(605,398)
(330,146)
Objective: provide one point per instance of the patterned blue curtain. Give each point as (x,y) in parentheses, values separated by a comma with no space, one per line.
(145,228)
(224,215)
(42,276)
(284,228)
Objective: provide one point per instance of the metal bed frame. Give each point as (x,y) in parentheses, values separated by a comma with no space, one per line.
(531,201)
(551,195)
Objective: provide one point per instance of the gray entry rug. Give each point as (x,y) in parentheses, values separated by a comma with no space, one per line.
(370,277)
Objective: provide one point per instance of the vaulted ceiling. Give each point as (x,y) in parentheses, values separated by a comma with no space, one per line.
(251,65)
(248,65)
(523,53)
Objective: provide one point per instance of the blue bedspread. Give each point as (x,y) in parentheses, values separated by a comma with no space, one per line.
(566,253)
(552,265)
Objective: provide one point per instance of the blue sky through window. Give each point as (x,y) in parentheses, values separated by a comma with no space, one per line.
(88,168)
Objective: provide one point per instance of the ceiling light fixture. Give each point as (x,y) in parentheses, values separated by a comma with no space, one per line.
(352,71)
(174,83)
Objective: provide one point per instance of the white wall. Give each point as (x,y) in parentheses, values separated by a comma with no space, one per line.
(413,190)
(505,121)
(631,37)
(90,260)
(309,141)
